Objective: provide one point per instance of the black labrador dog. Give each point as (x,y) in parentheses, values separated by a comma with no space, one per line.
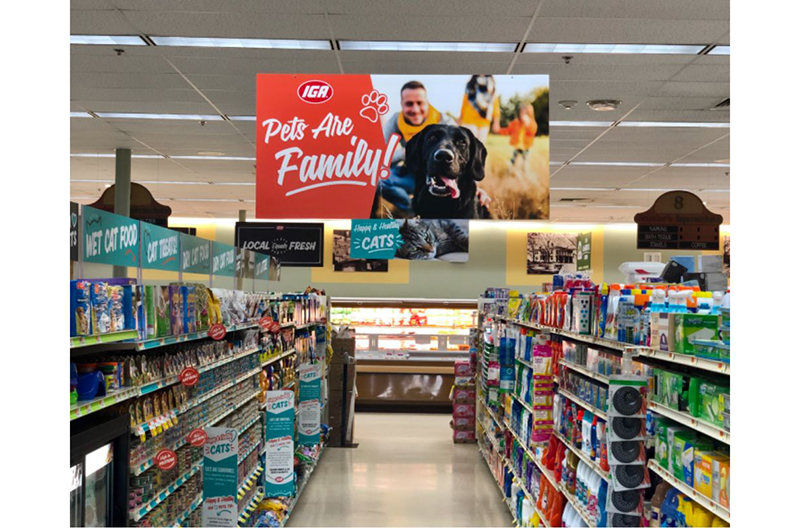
(446,161)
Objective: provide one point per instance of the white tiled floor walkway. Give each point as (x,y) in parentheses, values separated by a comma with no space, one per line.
(406,472)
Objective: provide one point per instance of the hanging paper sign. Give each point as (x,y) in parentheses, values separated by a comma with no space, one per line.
(197,437)
(220,477)
(195,254)
(110,238)
(310,376)
(374,239)
(73,230)
(160,247)
(584,259)
(279,475)
(262,267)
(223,259)
(296,244)
(217,332)
(189,376)
(166,459)
(678,220)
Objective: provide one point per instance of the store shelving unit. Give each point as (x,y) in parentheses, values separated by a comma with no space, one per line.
(140,512)
(583,370)
(250,506)
(249,480)
(185,515)
(114,337)
(588,406)
(715,432)
(301,488)
(583,456)
(278,357)
(710,505)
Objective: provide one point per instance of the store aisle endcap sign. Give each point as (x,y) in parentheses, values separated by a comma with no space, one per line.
(110,238)
(223,259)
(195,254)
(374,239)
(279,474)
(160,247)
(310,377)
(678,220)
(220,477)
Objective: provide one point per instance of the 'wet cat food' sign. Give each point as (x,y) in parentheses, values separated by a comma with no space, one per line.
(321,149)
(374,239)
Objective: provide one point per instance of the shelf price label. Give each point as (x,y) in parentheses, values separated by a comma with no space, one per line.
(265,323)
(217,332)
(197,437)
(189,377)
(166,459)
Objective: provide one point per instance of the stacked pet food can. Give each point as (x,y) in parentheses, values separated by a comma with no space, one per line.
(463,396)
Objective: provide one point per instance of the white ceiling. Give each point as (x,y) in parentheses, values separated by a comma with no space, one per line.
(186,80)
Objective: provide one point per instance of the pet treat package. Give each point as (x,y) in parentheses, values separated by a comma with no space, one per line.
(138,307)
(189,308)
(163,327)
(150,311)
(115,310)
(201,307)
(101,317)
(175,309)
(80,308)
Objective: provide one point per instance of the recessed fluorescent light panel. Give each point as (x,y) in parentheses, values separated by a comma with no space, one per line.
(107,40)
(720,50)
(112,155)
(671,124)
(187,117)
(242,118)
(205,42)
(385,45)
(616,164)
(647,49)
(222,158)
(700,165)
(600,124)
(80,114)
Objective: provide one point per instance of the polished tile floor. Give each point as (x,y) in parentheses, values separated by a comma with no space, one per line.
(406,471)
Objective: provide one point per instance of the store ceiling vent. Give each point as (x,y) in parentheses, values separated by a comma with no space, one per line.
(723,105)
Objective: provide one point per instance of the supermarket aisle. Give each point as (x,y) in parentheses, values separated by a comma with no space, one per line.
(405,472)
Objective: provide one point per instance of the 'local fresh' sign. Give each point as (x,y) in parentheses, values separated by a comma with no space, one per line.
(374,239)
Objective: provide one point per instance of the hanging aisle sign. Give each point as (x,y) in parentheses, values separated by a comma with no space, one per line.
(678,220)
(223,260)
(310,376)
(279,476)
(73,230)
(584,259)
(220,477)
(110,238)
(160,247)
(374,239)
(262,267)
(296,244)
(195,254)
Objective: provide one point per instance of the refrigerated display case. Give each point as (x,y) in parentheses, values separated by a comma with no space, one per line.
(405,348)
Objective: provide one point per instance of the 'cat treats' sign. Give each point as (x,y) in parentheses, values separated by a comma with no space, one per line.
(455,147)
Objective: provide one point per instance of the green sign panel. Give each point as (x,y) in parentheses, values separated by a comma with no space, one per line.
(220,477)
(160,247)
(584,259)
(262,267)
(110,238)
(374,239)
(310,377)
(279,475)
(195,254)
(223,260)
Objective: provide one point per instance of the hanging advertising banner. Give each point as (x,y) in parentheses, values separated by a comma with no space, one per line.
(195,254)
(584,258)
(220,477)
(279,476)
(445,240)
(261,267)
(378,239)
(310,377)
(110,238)
(223,259)
(342,261)
(402,146)
(678,220)
(74,215)
(160,247)
(296,244)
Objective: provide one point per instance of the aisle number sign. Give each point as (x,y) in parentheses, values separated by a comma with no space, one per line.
(678,220)
(160,247)
(374,239)
(223,259)
(110,238)
(279,476)
(220,477)
(310,376)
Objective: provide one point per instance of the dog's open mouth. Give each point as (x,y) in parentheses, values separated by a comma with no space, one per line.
(441,186)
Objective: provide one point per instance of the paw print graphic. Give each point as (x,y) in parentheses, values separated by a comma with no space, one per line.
(375,104)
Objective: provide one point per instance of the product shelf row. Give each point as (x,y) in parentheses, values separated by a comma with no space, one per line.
(583,370)
(248,481)
(564,491)
(81,409)
(141,468)
(712,506)
(113,337)
(682,359)
(583,456)
(277,357)
(523,403)
(250,506)
(589,407)
(148,344)
(140,512)
(701,426)
(525,447)
(500,486)
(301,488)
(151,424)
(185,515)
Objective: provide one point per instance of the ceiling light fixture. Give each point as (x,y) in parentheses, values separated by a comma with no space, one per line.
(720,50)
(601,124)
(700,165)
(603,105)
(645,49)
(616,164)
(568,104)
(80,114)
(112,155)
(671,124)
(219,158)
(242,118)
(107,40)
(211,42)
(185,117)
(389,45)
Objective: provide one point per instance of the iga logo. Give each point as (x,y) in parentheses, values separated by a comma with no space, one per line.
(315,92)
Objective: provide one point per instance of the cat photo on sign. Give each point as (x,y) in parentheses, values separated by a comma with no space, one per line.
(445,240)
(548,253)
(342,260)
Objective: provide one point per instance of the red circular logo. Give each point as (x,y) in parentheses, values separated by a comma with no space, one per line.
(197,437)
(315,92)
(265,323)
(166,459)
(217,331)
(189,376)
(275,327)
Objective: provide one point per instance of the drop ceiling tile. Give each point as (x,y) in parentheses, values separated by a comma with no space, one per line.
(229,24)
(397,24)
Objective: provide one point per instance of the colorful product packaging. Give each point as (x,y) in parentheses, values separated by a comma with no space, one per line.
(150,311)
(80,313)
(101,317)
(683,450)
(163,327)
(175,309)
(721,486)
(694,327)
